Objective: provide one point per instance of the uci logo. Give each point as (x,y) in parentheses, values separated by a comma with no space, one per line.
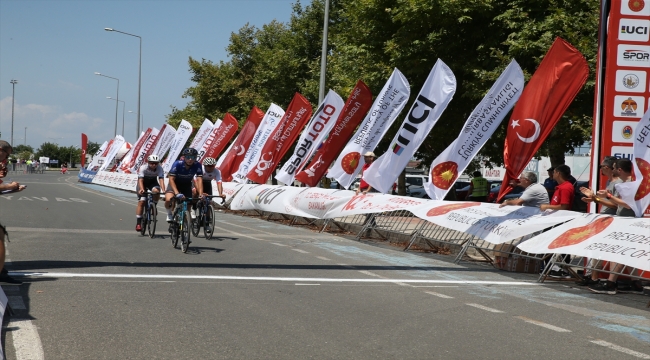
(411,124)
(267,196)
(274,114)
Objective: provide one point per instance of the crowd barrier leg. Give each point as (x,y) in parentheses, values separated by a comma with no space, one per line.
(369,225)
(415,236)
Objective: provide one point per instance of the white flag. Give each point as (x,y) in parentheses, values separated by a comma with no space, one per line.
(387,106)
(637,193)
(311,138)
(94,162)
(209,139)
(478,128)
(270,121)
(182,134)
(144,151)
(166,136)
(202,134)
(436,93)
(116,145)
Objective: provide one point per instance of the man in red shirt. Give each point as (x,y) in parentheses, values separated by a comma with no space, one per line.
(364,187)
(564,192)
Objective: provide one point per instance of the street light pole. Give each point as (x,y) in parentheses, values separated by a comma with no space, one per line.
(117,96)
(137,131)
(323,55)
(123,107)
(13,93)
(25,141)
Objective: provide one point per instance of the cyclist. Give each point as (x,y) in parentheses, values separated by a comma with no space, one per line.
(180,176)
(210,172)
(150,177)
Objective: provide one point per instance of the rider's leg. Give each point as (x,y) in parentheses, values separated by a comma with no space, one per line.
(169,204)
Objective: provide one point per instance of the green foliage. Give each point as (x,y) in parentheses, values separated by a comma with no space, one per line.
(368,38)
(23,148)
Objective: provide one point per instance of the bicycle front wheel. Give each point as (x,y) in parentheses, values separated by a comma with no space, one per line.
(196,223)
(185,231)
(174,228)
(144,220)
(208,225)
(151,222)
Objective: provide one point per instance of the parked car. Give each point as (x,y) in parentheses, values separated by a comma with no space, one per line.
(415,185)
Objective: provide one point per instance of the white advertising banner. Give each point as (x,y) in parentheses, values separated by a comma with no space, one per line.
(387,106)
(117,144)
(622,240)
(145,150)
(270,121)
(311,138)
(129,159)
(93,163)
(182,134)
(166,136)
(209,139)
(478,128)
(637,193)
(202,134)
(436,93)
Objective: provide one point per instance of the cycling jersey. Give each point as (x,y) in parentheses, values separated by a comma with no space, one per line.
(150,177)
(183,177)
(208,177)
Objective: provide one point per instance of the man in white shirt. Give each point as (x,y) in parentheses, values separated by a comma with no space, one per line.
(534,194)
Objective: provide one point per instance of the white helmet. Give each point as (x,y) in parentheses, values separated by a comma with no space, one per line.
(153,158)
(209,161)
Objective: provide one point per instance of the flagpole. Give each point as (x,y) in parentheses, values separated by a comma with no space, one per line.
(323,56)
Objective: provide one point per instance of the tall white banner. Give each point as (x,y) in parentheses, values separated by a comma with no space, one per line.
(94,162)
(202,134)
(622,240)
(166,136)
(141,157)
(436,93)
(182,134)
(129,159)
(270,121)
(478,128)
(116,145)
(387,106)
(311,138)
(637,193)
(209,139)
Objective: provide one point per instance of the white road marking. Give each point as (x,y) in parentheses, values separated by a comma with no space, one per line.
(16,302)
(301,251)
(370,273)
(306,284)
(640,355)
(323,258)
(485,308)
(264,278)
(542,324)
(439,295)
(279,244)
(25,339)
(74,231)
(434,286)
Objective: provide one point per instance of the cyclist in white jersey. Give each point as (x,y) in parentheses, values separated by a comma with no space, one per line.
(150,177)
(210,172)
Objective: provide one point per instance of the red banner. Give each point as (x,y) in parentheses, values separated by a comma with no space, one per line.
(84,147)
(554,85)
(236,154)
(285,134)
(135,151)
(220,137)
(356,107)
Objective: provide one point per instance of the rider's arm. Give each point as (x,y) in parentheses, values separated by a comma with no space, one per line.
(220,188)
(161,178)
(141,185)
(172,183)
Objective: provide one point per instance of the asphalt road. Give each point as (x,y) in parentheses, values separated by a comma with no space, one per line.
(96,289)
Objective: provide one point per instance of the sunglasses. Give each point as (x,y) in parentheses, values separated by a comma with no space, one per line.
(153,163)
(190,157)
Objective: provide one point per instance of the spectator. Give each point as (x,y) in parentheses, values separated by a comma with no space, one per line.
(365,188)
(5,151)
(534,194)
(478,188)
(549,183)
(607,168)
(564,193)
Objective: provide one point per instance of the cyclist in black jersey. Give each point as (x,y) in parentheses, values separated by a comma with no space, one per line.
(181,177)
(150,177)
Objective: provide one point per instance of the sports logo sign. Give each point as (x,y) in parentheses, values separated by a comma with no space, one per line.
(634,30)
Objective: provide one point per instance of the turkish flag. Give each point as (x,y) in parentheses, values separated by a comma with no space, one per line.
(354,111)
(238,150)
(84,148)
(554,85)
(222,136)
(285,134)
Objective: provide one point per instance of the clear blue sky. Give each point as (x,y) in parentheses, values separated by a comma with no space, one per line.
(53,48)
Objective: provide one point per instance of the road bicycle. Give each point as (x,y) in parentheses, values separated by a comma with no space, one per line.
(205,217)
(181,224)
(149,215)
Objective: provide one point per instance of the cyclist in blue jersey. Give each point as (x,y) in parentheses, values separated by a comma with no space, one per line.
(181,176)
(150,177)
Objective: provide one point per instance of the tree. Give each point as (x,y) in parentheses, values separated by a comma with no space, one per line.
(23,148)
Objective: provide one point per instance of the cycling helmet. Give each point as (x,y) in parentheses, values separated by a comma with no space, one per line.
(153,158)
(190,151)
(209,161)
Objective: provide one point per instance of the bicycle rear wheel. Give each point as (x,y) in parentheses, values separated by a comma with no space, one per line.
(185,231)
(175,229)
(151,222)
(209,222)
(196,223)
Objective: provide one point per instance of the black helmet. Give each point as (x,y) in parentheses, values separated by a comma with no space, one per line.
(190,152)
